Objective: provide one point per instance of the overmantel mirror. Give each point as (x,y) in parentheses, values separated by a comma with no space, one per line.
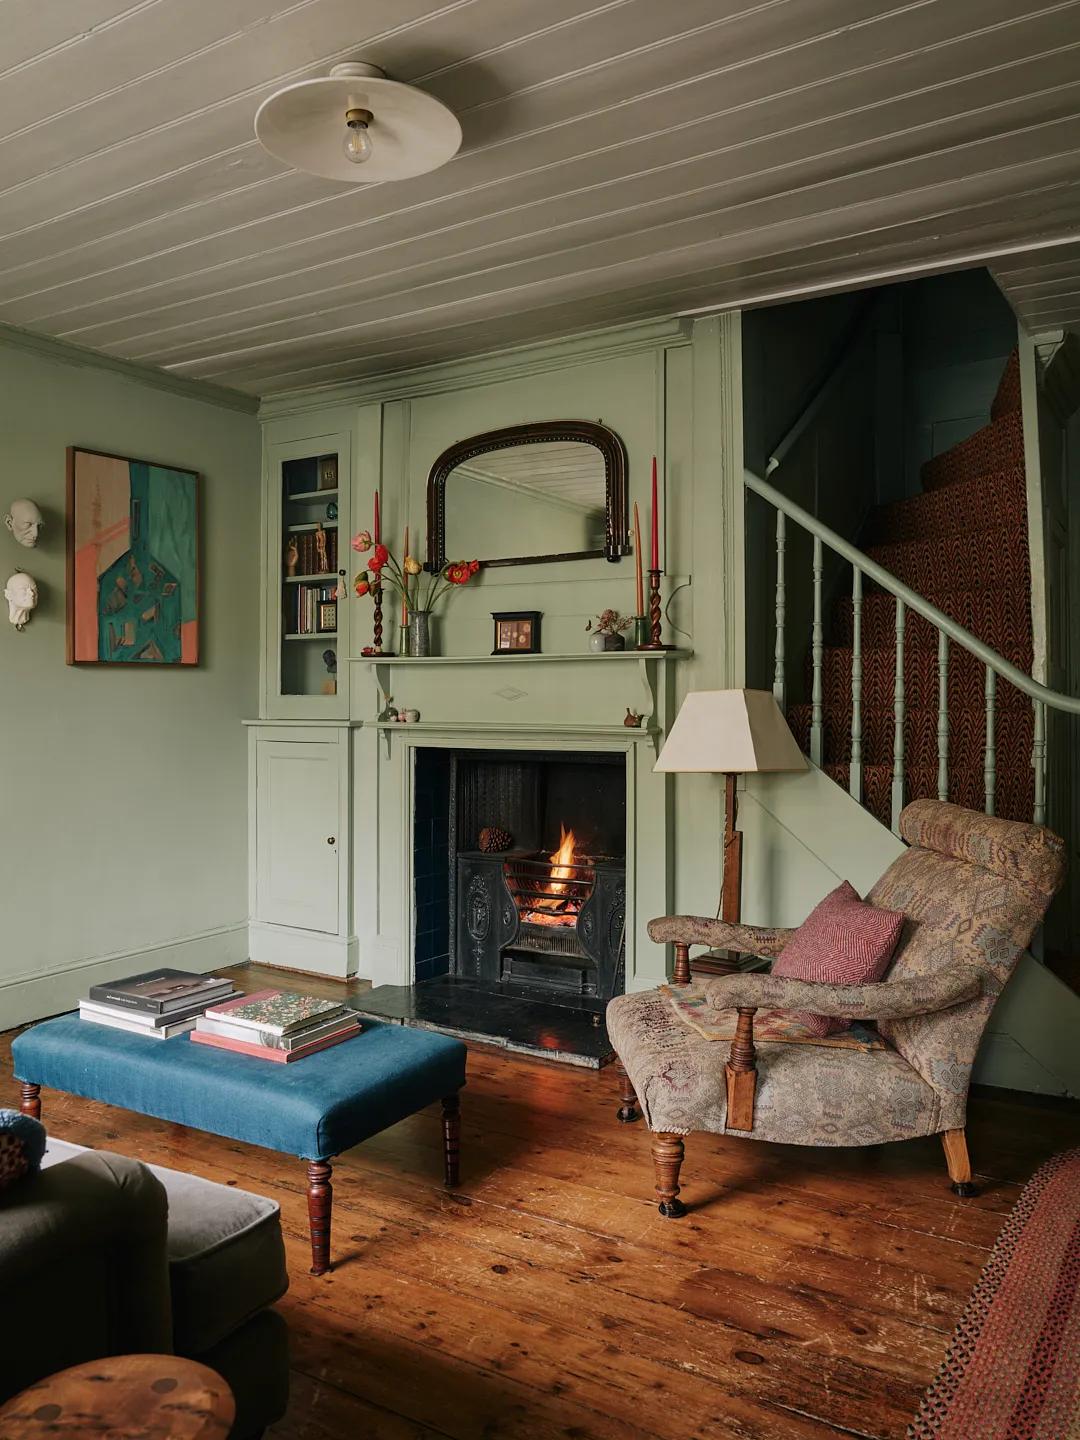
(553,490)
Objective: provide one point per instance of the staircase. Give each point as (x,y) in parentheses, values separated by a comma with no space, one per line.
(962,545)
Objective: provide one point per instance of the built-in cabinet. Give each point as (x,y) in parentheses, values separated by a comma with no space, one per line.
(299,847)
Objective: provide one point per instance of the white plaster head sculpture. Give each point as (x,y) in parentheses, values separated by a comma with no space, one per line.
(21,593)
(24,520)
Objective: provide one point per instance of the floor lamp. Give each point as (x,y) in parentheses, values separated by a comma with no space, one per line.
(729,733)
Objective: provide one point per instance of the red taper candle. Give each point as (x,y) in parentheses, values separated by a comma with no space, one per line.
(376,532)
(655,522)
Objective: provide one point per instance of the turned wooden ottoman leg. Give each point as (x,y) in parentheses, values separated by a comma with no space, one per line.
(667,1154)
(451,1124)
(30,1099)
(628,1109)
(320,1200)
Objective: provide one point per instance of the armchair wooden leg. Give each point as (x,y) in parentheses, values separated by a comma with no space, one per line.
(956,1157)
(667,1154)
(741,1073)
(628,1111)
(681,973)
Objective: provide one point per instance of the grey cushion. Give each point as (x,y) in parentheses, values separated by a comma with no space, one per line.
(226,1254)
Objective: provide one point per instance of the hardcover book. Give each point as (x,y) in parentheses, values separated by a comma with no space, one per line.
(132,1026)
(142,1019)
(263,1052)
(161,990)
(278,1012)
(215,1025)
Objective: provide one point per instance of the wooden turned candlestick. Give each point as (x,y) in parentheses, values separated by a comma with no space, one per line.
(376,620)
(655,615)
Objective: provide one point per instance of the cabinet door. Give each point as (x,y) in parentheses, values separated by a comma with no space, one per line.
(297,815)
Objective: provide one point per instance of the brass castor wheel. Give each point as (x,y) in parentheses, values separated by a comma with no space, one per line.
(627,1114)
(964,1188)
(672,1209)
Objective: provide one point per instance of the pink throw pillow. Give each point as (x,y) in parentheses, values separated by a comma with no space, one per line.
(843,941)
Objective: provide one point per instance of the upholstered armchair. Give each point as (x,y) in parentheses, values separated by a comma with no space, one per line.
(973,890)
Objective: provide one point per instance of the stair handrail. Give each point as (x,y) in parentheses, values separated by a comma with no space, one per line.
(1054,699)
(995,665)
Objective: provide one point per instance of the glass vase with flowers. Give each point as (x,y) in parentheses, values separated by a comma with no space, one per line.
(418,591)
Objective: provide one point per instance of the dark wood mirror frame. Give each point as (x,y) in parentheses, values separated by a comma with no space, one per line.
(610,445)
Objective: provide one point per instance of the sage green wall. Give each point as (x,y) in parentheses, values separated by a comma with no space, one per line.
(124,790)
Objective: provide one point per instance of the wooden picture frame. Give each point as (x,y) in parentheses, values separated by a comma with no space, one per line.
(517,632)
(134,583)
(326,617)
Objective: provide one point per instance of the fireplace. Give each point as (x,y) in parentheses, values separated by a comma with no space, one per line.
(527,896)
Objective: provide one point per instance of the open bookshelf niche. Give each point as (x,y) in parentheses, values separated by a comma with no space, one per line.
(309,575)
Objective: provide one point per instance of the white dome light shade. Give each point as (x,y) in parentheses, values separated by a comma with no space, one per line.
(305,125)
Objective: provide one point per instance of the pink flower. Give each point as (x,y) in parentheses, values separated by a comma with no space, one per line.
(362,541)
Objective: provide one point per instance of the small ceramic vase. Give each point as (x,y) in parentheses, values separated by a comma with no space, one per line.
(600,642)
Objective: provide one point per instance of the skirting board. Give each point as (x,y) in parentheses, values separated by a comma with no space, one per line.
(33,997)
(290,949)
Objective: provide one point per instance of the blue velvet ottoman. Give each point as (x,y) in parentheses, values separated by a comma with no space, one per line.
(314,1108)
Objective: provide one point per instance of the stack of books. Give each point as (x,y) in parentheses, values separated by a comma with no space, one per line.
(159,1004)
(275,1025)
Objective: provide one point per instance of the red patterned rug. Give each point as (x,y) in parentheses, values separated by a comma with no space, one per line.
(1013,1367)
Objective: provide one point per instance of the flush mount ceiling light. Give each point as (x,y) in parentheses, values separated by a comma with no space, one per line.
(355,124)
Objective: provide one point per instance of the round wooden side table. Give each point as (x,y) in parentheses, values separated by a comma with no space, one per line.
(126,1397)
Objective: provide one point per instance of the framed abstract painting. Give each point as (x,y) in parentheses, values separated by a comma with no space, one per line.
(132,561)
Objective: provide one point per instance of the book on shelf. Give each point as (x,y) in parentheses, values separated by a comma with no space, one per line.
(161,992)
(313,559)
(302,607)
(141,1019)
(277,1012)
(266,1052)
(124,1020)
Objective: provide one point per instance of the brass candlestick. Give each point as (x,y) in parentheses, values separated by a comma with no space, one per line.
(655,615)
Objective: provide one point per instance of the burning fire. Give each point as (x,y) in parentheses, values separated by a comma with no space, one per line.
(550,909)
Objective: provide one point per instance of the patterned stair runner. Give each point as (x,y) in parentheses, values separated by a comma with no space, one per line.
(962,544)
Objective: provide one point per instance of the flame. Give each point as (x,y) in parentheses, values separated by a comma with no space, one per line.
(562,870)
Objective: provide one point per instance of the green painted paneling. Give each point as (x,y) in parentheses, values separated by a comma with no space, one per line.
(124,790)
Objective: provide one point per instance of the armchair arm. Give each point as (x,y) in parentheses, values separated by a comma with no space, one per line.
(893,1000)
(760,940)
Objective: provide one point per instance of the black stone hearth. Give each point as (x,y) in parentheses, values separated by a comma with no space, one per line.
(572,1033)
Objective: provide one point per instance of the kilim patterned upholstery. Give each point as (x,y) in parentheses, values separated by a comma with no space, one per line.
(962,544)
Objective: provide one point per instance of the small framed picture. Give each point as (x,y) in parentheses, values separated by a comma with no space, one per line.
(517,632)
(327,472)
(327,616)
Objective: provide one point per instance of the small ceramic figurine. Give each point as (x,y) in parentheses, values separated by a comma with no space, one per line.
(329,658)
(389,711)
(292,558)
(24,521)
(21,593)
(633,719)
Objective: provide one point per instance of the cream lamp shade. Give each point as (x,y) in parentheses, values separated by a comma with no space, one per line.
(730,732)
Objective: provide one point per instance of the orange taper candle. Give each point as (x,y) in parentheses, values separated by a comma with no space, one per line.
(640,589)
(405,582)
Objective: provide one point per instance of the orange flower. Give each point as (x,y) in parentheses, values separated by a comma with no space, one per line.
(460,572)
(362,541)
(379,557)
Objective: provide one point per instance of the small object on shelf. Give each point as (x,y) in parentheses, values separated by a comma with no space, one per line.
(389,710)
(494,840)
(326,621)
(329,658)
(328,472)
(633,719)
(331,510)
(410,717)
(517,632)
(322,559)
(607,631)
(654,641)
(292,557)
(418,633)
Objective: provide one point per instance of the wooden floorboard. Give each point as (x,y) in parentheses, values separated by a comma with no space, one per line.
(808,1294)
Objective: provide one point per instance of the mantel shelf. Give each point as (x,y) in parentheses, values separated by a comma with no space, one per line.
(470,727)
(608,657)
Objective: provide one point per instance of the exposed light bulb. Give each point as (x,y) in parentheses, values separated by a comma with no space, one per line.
(357,144)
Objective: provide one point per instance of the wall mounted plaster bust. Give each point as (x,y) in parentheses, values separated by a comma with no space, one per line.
(21,593)
(24,520)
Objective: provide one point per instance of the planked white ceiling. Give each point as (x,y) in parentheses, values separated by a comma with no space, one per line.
(1043,287)
(621,160)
